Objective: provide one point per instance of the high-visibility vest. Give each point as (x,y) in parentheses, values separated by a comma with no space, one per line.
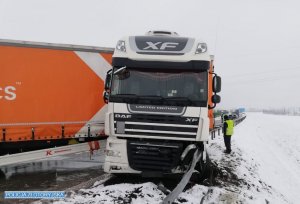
(229,129)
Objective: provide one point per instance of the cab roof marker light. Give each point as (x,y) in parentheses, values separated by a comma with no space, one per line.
(201,48)
(121,46)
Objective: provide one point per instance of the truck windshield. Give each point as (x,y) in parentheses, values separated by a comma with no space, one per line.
(160,87)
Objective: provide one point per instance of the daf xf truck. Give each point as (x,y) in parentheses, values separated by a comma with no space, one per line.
(160,94)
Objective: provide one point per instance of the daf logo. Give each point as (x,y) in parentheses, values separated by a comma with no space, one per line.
(160,45)
(122,116)
(190,120)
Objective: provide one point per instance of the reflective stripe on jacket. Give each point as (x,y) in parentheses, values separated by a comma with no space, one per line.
(229,129)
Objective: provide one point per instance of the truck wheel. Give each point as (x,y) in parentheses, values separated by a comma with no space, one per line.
(205,170)
(2,174)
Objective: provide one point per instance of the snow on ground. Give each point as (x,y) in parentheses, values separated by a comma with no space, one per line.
(273,141)
(264,167)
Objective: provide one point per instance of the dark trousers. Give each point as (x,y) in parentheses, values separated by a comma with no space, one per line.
(227,141)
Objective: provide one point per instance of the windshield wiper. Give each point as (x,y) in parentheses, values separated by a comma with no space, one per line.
(127,95)
(124,98)
(179,98)
(151,97)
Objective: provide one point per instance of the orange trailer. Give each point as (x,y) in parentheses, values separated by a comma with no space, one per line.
(50,93)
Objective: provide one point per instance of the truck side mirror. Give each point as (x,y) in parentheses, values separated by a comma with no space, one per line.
(108,80)
(216,98)
(107,84)
(105,97)
(216,84)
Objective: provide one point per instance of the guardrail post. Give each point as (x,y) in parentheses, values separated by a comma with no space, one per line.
(32,133)
(89,130)
(63,131)
(212,134)
(3,134)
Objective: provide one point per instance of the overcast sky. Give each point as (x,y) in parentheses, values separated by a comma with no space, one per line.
(255,42)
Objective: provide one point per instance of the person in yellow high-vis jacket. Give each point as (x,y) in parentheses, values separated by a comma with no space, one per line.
(228,127)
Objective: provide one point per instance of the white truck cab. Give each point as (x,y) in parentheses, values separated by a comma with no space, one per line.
(157,95)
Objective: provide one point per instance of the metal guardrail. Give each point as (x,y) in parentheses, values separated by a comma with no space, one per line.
(19,158)
(219,128)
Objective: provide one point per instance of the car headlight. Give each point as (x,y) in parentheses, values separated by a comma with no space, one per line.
(121,46)
(201,48)
(112,153)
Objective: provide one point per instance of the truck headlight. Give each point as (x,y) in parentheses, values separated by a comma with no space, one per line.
(201,48)
(121,46)
(112,153)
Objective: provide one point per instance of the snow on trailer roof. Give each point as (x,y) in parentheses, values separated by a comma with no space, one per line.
(55,46)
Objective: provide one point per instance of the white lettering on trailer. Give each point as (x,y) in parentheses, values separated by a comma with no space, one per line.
(9,93)
(154,46)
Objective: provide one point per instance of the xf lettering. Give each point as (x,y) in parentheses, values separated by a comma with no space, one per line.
(160,45)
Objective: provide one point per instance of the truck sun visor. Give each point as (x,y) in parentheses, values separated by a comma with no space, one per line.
(190,65)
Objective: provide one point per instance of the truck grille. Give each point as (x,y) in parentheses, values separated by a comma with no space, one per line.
(159,157)
(156,125)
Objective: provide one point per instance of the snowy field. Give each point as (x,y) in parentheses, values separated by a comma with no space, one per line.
(273,142)
(264,167)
